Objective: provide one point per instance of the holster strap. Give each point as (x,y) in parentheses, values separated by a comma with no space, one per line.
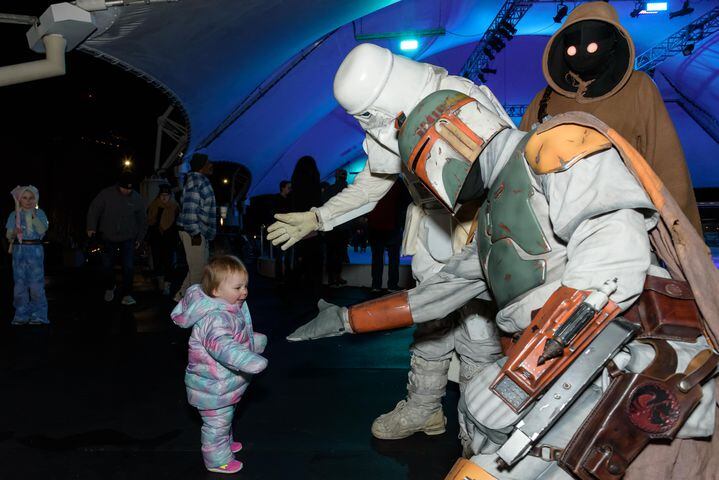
(547,453)
(698,369)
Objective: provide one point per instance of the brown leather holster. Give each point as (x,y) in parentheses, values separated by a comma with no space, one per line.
(637,408)
(666,309)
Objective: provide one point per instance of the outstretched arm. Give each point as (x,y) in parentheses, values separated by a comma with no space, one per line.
(457,283)
(355,200)
(221,346)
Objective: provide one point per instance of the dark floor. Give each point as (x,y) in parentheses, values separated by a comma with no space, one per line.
(99,394)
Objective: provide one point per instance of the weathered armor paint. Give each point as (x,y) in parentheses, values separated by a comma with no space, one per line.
(507,223)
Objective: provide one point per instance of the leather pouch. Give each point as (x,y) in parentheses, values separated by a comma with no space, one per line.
(666,309)
(637,408)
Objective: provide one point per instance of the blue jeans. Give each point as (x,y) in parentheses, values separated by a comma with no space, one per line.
(126,251)
(29,275)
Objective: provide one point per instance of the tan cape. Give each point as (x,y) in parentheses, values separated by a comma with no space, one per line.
(634,108)
(687,258)
(170,211)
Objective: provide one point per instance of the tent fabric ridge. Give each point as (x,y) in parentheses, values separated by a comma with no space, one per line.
(173,97)
(262,88)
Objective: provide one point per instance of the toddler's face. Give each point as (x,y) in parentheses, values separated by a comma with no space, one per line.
(233,289)
(27,200)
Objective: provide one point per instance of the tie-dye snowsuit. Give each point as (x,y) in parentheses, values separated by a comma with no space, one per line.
(28,267)
(224,353)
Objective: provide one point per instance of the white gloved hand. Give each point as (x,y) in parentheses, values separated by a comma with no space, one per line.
(330,322)
(290,228)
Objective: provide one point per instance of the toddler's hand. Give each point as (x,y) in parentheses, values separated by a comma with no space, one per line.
(260,341)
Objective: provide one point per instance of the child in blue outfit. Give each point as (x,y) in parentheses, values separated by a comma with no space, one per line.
(224,354)
(25,228)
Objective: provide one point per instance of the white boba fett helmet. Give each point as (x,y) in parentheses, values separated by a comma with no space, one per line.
(441,140)
(375,85)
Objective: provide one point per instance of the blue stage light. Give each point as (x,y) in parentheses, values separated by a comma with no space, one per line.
(409,44)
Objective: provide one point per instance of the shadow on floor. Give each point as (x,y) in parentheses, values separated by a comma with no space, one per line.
(99,394)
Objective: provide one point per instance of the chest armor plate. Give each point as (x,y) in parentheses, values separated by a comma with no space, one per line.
(507,223)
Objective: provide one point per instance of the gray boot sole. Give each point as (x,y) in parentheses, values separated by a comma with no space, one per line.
(430,430)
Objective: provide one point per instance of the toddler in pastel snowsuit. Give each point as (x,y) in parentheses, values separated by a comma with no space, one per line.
(25,228)
(224,353)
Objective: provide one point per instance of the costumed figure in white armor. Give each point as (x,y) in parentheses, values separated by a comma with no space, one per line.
(375,86)
(611,351)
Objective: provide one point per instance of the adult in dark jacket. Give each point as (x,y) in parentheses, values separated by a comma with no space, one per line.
(306,194)
(337,238)
(283,259)
(117,214)
(162,217)
(589,66)
(384,225)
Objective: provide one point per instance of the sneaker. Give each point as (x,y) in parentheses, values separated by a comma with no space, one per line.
(407,419)
(39,321)
(341,281)
(19,321)
(128,300)
(233,467)
(376,290)
(109,295)
(235,446)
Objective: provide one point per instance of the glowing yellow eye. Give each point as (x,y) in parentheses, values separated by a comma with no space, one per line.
(572,51)
(592,47)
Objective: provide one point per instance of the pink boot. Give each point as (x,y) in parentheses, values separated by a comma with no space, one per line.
(235,446)
(233,467)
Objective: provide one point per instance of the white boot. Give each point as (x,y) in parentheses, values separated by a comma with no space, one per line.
(422,411)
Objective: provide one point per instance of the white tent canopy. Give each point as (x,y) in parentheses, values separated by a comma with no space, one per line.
(255,77)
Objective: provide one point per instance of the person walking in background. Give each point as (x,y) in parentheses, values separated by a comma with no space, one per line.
(25,228)
(359,234)
(306,194)
(224,353)
(385,225)
(118,215)
(283,259)
(198,219)
(336,239)
(162,217)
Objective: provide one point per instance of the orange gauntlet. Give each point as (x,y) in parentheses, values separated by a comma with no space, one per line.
(384,313)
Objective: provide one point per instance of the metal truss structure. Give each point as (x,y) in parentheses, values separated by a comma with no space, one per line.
(508,17)
(682,41)
(515,110)
(177,132)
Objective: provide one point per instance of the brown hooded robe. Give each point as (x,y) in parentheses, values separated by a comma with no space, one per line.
(634,108)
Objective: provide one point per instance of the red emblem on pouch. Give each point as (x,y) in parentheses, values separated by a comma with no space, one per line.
(652,408)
